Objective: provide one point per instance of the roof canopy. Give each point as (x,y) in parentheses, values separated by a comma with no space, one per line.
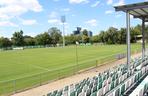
(138,10)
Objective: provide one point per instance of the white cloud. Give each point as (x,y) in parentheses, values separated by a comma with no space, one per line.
(109,2)
(95,4)
(118,15)
(92,22)
(29,22)
(56,0)
(109,12)
(31,33)
(54,18)
(131,17)
(13,8)
(4,17)
(121,2)
(115,25)
(54,21)
(66,9)
(53,14)
(7,24)
(78,1)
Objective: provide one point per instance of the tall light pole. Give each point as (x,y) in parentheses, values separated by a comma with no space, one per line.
(77,69)
(63,20)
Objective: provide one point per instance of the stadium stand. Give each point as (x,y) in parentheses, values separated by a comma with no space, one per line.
(118,81)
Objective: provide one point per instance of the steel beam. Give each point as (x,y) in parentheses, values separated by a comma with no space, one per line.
(131,6)
(128,39)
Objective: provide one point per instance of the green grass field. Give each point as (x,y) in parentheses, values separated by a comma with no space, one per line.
(30,65)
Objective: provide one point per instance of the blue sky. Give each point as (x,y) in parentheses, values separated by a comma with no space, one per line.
(37,16)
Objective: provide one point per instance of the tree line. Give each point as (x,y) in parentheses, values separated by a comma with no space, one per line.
(54,36)
(110,36)
(118,36)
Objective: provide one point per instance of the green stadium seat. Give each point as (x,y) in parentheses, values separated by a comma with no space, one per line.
(73,93)
(94,94)
(100,85)
(88,92)
(94,88)
(122,89)
(49,94)
(112,85)
(104,83)
(66,88)
(79,90)
(117,92)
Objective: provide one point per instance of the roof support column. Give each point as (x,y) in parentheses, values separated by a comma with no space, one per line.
(143,37)
(128,39)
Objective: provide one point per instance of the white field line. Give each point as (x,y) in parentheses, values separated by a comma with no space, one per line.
(39,67)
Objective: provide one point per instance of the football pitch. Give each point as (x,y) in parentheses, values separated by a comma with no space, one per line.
(24,66)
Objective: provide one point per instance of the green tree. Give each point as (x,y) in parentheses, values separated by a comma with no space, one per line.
(101,36)
(70,39)
(95,39)
(55,34)
(115,36)
(18,39)
(43,39)
(85,38)
(112,35)
(5,42)
(85,32)
(29,41)
(122,36)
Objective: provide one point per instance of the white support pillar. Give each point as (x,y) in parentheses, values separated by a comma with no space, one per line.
(143,37)
(128,39)
(143,40)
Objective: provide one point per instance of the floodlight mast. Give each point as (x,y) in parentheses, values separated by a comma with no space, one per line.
(63,20)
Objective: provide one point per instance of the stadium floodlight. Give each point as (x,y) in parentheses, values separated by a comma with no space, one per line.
(63,20)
